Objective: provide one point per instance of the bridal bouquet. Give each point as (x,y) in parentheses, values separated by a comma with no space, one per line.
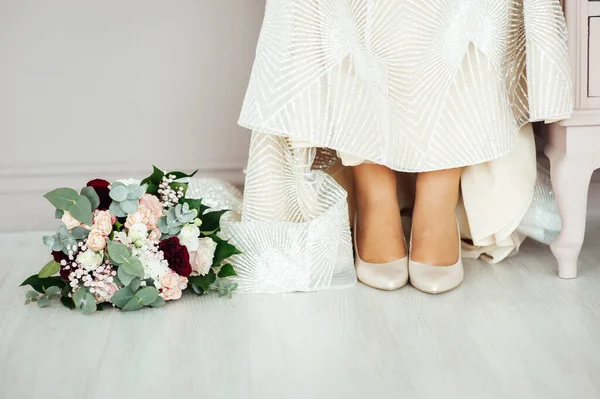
(132,244)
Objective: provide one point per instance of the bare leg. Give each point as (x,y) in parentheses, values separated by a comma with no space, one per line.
(379,234)
(435,236)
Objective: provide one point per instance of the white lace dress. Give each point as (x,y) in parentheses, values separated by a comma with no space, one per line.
(416,85)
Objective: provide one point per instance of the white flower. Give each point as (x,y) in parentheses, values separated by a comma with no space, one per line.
(188,236)
(121,236)
(69,221)
(89,259)
(202,259)
(154,266)
(138,233)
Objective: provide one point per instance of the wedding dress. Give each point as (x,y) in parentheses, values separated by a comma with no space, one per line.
(416,85)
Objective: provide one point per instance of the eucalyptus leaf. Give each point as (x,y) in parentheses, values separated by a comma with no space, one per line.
(49,269)
(147,295)
(129,206)
(43,302)
(89,304)
(121,297)
(79,233)
(159,303)
(48,241)
(125,277)
(91,194)
(81,210)
(117,252)
(84,301)
(134,191)
(135,284)
(62,198)
(54,290)
(59,213)
(118,193)
(133,266)
(133,304)
(31,294)
(115,209)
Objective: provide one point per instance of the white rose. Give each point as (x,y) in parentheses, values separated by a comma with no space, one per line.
(138,233)
(69,221)
(188,236)
(202,259)
(89,259)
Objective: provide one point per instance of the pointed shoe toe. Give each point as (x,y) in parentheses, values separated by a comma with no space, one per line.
(384,276)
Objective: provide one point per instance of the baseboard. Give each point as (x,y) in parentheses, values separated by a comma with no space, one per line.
(22,207)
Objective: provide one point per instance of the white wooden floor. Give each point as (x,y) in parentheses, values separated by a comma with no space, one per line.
(513,330)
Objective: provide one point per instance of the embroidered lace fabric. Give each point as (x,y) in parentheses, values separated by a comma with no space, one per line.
(415,85)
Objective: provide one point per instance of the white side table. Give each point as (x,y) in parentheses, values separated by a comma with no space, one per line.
(574,145)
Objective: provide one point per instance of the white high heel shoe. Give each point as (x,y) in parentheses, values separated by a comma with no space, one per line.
(384,276)
(436,279)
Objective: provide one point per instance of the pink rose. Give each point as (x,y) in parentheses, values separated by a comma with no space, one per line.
(148,212)
(172,285)
(202,259)
(103,222)
(70,221)
(153,206)
(96,240)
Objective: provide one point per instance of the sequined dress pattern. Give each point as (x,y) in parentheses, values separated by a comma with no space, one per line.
(415,85)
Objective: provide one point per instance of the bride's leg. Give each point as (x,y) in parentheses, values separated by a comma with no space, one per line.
(379,233)
(435,235)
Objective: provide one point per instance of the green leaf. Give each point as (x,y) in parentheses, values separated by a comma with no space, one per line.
(82,210)
(198,290)
(84,301)
(129,206)
(135,284)
(121,297)
(125,277)
(54,290)
(117,252)
(79,233)
(224,250)
(179,175)
(68,302)
(152,189)
(211,221)
(133,266)
(43,302)
(118,193)
(159,303)
(62,198)
(59,213)
(155,177)
(227,271)
(91,194)
(49,269)
(132,305)
(203,282)
(40,284)
(147,295)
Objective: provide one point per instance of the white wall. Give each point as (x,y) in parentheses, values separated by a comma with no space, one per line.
(105,88)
